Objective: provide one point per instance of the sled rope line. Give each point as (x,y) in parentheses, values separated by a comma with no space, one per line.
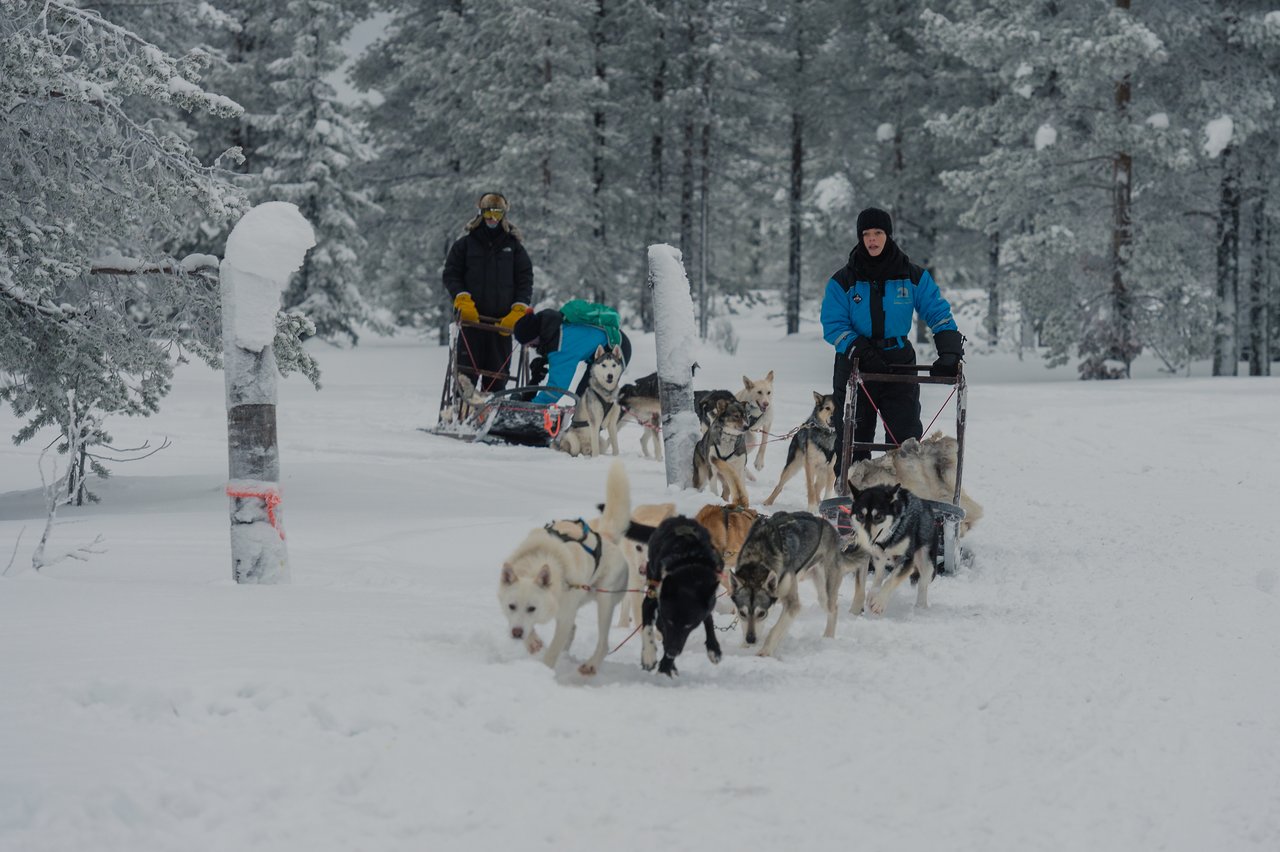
(773,437)
(628,639)
(270,499)
(646,422)
(472,357)
(939,414)
(892,438)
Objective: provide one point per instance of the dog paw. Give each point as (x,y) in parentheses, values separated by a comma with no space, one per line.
(534,644)
(587,670)
(713,654)
(877,605)
(759,464)
(764,652)
(667,667)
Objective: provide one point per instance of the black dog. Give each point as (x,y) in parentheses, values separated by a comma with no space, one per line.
(682,579)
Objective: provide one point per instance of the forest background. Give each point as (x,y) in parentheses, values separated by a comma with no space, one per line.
(1096,175)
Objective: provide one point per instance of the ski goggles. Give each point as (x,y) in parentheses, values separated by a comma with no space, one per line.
(494,213)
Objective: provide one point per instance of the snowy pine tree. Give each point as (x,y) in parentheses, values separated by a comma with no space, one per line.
(311,149)
(92,308)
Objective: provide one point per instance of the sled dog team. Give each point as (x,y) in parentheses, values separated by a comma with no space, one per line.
(675,567)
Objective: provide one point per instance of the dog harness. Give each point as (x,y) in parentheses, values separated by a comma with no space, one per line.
(581,542)
(608,406)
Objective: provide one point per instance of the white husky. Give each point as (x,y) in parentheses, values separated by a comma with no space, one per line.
(759,392)
(561,567)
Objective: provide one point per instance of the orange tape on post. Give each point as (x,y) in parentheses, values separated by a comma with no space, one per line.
(270,499)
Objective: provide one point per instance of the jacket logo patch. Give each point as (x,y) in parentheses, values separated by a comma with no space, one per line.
(902,292)
(508,248)
(857,298)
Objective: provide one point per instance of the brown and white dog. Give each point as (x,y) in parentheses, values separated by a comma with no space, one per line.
(728,526)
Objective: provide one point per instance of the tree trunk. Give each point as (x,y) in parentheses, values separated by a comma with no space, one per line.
(993,289)
(687,136)
(1123,345)
(1259,292)
(258,553)
(1226,349)
(599,234)
(704,191)
(673,341)
(793,243)
(657,178)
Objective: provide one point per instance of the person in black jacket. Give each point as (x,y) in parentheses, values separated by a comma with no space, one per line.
(488,273)
(867,313)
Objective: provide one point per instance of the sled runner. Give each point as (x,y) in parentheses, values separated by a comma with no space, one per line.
(509,415)
(837,510)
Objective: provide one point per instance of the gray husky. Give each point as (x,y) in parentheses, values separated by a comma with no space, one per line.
(722,451)
(899,531)
(780,551)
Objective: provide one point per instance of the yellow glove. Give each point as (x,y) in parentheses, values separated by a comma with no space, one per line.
(509,321)
(466,307)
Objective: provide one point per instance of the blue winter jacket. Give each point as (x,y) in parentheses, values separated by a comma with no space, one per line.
(578,344)
(877,301)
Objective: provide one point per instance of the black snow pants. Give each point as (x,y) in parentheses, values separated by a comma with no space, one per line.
(899,404)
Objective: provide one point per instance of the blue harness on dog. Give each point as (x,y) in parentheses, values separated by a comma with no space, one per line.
(581,542)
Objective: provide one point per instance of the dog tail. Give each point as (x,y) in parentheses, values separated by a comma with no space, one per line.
(617,503)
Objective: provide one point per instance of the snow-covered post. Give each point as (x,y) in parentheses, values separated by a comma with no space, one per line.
(676,336)
(266,246)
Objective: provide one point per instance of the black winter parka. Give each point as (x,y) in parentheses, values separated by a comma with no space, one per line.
(491,265)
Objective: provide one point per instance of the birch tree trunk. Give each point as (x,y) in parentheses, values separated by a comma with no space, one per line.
(676,337)
(266,246)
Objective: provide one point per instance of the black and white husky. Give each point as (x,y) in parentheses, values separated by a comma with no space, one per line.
(683,577)
(899,530)
(598,408)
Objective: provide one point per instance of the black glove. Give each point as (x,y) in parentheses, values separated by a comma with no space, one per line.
(950,346)
(537,370)
(869,358)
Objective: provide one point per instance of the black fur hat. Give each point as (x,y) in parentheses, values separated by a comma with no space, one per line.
(874,217)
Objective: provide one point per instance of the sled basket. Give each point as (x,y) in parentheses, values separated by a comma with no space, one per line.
(512,417)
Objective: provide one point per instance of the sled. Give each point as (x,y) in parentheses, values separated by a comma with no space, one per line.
(838,510)
(508,416)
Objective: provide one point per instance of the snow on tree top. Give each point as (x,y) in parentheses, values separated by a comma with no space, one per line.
(1218,135)
(266,246)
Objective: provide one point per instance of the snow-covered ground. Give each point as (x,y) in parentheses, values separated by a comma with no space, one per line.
(1103,678)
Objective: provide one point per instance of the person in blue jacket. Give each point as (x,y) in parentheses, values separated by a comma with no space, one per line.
(867,313)
(562,346)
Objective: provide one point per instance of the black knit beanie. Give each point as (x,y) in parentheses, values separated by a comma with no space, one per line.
(528,328)
(874,217)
